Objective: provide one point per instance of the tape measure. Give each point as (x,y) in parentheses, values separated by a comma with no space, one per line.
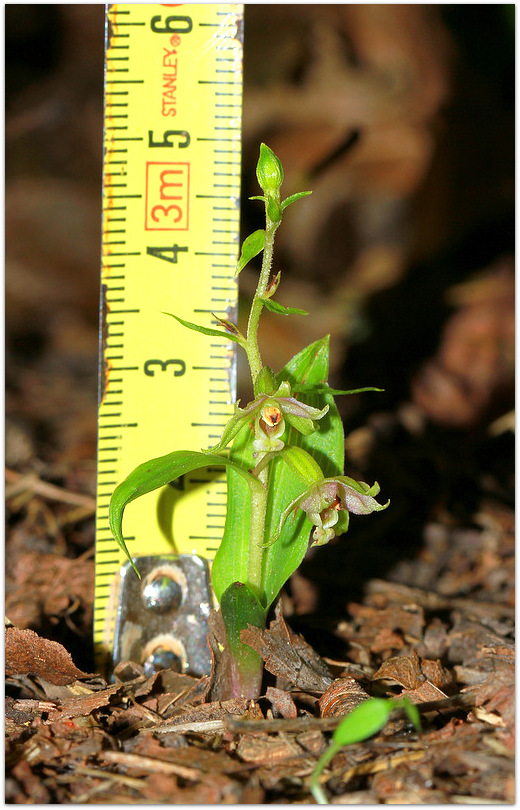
(171,188)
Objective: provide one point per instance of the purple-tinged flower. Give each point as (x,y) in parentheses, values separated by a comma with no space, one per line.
(327,502)
(270,413)
(324,502)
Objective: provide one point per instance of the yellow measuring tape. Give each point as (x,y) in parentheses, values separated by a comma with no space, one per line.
(171,188)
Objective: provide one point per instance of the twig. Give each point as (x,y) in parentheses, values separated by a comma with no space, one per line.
(152,765)
(465,700)
(129,781)
(383,764)
(199,726)
(30,481)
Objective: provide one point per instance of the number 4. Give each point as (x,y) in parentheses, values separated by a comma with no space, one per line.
(162,252)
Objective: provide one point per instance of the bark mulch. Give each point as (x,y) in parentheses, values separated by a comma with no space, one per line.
(73,738)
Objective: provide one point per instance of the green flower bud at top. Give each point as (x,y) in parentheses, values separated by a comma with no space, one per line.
(269,171)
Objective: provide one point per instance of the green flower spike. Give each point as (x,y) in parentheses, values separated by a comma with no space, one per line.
(270,412)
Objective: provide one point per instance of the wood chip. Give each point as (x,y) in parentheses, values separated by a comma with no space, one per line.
(151,765)
(341,698)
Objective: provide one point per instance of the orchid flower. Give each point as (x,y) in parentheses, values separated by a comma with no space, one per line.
(324,502)
(327,502)
(270,413)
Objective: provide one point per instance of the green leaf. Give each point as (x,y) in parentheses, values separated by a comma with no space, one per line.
(240,607)
(411,710)
(309,367)
(367,719)
(336,392)
(294,197)
(252,246)
(204,329)
(157,473)
(232,556)
(274,306)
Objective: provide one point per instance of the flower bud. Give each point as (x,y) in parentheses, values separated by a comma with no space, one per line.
(269,171)
(265,382)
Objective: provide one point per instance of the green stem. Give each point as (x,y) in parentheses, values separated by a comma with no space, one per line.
(316,789)
(259,500)
(251,346)
(256,550)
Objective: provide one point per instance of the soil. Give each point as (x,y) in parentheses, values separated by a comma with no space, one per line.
(407,262)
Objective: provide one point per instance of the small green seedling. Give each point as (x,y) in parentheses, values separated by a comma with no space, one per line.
(366,720)
(283,453)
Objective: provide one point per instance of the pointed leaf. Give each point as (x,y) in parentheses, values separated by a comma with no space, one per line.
(232,556)
(157,473)
(205,330)
(294,197)
(411,710)
(252,246)
(274,306)
(336,392)
(273,209)
(326,446)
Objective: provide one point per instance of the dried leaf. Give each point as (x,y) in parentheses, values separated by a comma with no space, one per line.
(26,653)
(403,669)
(288,655)
(281,701)
(85,704)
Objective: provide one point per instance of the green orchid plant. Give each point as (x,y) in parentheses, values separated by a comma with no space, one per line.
(283,454)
